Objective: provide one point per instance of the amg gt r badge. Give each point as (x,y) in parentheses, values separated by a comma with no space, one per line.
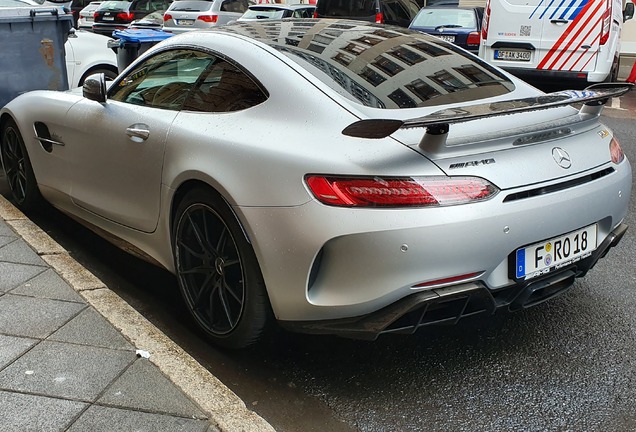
(472,163)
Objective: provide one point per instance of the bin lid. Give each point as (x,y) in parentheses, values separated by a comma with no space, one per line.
(141,35)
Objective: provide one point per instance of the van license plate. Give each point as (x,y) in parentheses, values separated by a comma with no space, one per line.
(541,258)
(512,55)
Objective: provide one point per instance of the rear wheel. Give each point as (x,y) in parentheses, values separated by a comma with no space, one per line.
(17,168)
(218,273)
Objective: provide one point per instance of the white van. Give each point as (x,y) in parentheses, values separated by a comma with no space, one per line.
(555,39)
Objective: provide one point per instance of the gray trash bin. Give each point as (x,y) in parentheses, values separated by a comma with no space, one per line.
(32,50)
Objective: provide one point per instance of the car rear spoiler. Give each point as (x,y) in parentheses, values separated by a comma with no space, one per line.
(438,123)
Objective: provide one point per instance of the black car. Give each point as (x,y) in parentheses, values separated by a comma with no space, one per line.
(459,25)
(117,15)
(396,12)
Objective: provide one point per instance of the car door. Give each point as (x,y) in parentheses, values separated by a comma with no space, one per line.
(116,167)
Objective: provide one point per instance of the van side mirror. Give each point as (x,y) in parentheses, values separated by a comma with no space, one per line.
(628,13)
(94,88)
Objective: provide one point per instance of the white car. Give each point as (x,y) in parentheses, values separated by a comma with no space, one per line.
(86,54)
(85,20)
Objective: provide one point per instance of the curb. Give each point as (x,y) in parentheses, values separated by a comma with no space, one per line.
(224,408)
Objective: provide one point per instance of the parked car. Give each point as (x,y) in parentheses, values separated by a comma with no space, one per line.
(400,202)
(85,20)
(87,53)
(186,15)
(395,12)
(275,11)
(117,15)
(458,25)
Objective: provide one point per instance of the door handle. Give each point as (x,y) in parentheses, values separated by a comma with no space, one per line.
(138,132)
(559,21)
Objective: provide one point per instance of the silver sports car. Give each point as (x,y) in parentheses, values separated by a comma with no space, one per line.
(332,176)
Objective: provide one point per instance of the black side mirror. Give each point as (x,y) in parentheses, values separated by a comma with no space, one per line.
(628,13)
(94,88)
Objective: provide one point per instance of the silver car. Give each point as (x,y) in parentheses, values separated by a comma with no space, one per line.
(187,15)
(394,181)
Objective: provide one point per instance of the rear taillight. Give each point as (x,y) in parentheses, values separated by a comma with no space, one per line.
(473,39)
(315,13)
(616,151)
(167,17)
(126,16)
(379,18)
(95,15)
(485,22)
(606,23)
(208,18)
(399,192)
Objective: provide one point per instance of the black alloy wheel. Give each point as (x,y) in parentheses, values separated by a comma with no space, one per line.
(217,271)
(17,168)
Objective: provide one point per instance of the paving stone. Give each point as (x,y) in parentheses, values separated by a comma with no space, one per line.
(13,347)
(90,328)
(38,318)
(5,230)
(12,275)
(5,240)
(22,412)
(19,252)
(102,419)
(144,387)
(65,370)
(48,285)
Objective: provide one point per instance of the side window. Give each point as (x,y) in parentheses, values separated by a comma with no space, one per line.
(224,88)
(164,80)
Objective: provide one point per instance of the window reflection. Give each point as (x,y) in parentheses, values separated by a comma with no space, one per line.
(385,68)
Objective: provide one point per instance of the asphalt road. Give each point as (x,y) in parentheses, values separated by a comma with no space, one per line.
(566,365)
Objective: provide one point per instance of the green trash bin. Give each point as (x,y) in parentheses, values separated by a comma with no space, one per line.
(32,54)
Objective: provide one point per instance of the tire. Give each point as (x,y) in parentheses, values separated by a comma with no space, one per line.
(218,274)
(17,168)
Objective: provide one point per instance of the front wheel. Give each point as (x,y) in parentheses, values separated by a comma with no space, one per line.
(219,276)
(17,168)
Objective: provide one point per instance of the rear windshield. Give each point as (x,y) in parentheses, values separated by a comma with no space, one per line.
(447,18)
(114,5)
(264,13)
(382,67)
(189,5)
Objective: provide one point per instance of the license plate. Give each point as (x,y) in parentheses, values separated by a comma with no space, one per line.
(447,38)
(544,257)
(512,55)
(185,22)
(108,18)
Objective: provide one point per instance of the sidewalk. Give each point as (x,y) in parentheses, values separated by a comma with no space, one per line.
(75,357)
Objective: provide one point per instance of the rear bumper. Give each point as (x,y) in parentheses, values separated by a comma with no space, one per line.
(450,304)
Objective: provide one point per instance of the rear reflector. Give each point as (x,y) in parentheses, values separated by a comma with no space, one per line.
(447,280)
